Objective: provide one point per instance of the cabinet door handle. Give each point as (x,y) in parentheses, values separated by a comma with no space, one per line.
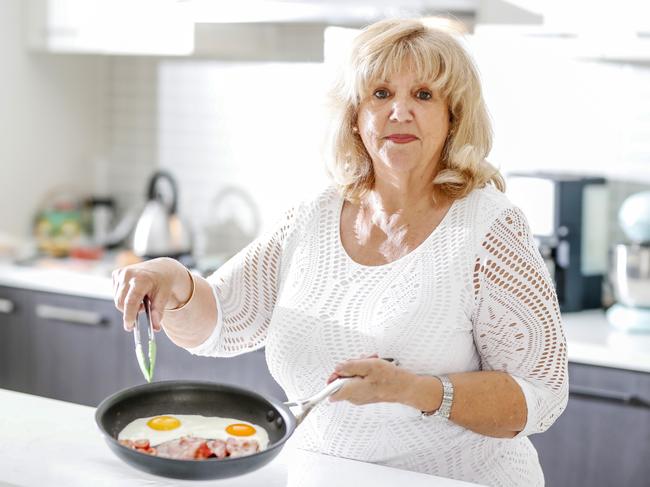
(69,314)
(625,398)
(6,306)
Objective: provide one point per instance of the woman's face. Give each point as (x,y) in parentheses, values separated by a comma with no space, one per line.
(403,124)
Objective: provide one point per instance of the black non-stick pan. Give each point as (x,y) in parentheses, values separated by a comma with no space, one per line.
(206,399)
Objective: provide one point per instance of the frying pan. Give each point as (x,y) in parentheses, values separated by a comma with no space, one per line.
(206,399)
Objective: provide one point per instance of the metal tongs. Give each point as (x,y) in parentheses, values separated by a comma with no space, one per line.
(304,406)
(146,365)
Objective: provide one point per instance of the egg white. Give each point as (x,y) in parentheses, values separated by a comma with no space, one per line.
(211,428)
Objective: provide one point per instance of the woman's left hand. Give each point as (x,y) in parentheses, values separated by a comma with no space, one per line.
(374,380)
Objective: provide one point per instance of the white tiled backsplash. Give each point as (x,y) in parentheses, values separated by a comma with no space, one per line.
(215,125)
(260,126)
(133,127)
(232,125)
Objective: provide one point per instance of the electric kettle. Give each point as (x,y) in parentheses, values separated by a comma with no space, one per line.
(159,232)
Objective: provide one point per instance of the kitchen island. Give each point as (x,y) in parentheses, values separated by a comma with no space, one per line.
(50,442)
(52,323)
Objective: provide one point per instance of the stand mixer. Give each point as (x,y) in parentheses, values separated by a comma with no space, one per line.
(630,267)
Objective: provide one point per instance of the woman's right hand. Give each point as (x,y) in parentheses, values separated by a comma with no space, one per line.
(165,281)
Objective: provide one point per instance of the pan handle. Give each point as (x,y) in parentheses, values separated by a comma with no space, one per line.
(306,405)
(323,394)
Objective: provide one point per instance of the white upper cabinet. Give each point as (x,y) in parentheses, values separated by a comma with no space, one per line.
(140,27)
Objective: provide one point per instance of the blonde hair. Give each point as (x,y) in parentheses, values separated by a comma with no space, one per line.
(378,52)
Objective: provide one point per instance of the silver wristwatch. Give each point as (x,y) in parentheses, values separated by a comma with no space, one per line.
(447,398)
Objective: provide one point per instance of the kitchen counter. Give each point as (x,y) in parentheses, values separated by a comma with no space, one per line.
(48,442)
(591,340)
(89,282)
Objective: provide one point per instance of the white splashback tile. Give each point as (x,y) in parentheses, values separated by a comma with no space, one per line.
(132,127)
(254,126)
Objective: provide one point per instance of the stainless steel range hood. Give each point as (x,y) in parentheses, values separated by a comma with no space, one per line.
(329,12)
(294,30)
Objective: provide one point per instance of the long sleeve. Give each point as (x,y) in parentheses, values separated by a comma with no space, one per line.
(517,323)
(245,289)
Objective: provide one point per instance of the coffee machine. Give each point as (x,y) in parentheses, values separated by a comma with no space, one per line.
(567,214)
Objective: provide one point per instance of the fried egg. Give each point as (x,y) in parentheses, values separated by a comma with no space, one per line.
(166,427)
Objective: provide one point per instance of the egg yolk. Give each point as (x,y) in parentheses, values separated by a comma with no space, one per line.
(164,423)
(240,429)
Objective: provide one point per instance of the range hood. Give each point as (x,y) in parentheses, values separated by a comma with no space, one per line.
(261,30)
(293,30)
(328,12)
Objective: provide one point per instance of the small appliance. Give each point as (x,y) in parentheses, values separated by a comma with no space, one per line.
(565,213)
(160,232)
(630,267)
(102,213)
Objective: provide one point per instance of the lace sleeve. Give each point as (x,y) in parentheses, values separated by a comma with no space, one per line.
(517,323)
(246,289)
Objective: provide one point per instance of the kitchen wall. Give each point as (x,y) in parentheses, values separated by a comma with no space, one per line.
(132,128)
(259,126)
(103,124)
(52,121)
(255,127)
(554,109)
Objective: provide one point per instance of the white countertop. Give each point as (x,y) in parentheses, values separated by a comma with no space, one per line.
(90,282)
(48,442)
(591,340)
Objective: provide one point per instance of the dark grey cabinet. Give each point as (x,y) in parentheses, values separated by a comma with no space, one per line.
(603,437)
(15,340)
(75,349)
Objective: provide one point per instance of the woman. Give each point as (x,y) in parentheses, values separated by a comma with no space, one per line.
(414,253)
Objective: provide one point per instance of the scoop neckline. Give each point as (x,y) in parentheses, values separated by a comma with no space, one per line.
(437,229)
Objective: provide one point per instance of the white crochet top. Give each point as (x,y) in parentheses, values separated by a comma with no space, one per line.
(475,295)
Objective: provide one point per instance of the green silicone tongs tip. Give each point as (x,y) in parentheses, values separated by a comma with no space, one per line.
(146,368)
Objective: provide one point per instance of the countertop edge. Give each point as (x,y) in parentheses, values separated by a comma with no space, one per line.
(57,281)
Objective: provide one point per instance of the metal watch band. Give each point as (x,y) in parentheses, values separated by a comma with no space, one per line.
(447,398)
